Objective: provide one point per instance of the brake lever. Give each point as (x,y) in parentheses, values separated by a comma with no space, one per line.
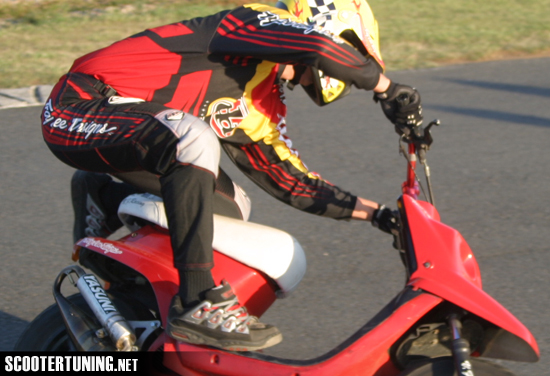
(422,139)
(427,139)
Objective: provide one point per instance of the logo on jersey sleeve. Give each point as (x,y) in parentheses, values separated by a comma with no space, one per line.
(225,115)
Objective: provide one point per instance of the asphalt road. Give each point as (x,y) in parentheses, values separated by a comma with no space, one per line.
(491,174)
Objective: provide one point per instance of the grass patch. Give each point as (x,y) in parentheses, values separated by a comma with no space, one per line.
(41,38)
(425,33)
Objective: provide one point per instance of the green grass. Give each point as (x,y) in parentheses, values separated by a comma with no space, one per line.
(427,33)
(40,39)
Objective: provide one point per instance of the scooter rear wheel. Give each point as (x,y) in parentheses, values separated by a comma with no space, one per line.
(444,366)
(47,332)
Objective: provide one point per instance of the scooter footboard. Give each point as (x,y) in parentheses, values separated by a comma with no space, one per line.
(364,353)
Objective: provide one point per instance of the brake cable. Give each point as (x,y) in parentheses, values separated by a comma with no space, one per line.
(428,181)
(427,138)
(406,155)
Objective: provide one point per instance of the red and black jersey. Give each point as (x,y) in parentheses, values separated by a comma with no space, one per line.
(224,69)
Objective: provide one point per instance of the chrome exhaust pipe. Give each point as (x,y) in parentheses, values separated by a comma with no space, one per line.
(82,330)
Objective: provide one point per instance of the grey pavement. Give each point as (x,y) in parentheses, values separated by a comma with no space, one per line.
(491,174)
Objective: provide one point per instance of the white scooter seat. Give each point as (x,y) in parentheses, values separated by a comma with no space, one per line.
(272,251)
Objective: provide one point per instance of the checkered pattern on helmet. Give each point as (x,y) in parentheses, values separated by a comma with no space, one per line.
(322,6)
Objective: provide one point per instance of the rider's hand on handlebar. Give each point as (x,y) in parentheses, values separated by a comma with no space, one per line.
(385,219)
(401,105)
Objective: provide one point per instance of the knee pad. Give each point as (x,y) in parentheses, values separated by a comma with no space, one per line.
(198,144)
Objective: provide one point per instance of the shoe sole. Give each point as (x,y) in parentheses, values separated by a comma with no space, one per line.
(197,338)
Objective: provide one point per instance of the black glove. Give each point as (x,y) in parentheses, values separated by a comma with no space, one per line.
(401,105)
(385,219)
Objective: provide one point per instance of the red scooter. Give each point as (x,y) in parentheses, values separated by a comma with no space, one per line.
(441,323)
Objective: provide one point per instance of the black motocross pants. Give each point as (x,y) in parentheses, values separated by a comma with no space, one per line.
(87,126)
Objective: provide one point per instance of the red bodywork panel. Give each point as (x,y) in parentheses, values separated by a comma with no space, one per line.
(448,269)
(368,356)
(148,251)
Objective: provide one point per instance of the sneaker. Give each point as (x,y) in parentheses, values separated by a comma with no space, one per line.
(91,217)
(220,321)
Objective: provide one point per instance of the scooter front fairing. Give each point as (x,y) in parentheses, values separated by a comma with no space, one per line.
(444,265)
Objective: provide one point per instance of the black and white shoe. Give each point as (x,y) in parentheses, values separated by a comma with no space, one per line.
(220,321)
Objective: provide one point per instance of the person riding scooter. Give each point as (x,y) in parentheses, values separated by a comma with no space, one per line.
(163,101)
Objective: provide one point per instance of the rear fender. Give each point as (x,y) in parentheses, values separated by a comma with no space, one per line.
(148,251)
(446,267)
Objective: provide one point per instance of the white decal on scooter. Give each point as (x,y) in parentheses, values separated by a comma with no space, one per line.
(105,247)
(133,201)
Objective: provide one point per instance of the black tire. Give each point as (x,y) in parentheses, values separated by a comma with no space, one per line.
(444,366)
(47,331)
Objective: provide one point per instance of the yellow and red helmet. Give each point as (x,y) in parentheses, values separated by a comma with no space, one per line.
(353,21)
